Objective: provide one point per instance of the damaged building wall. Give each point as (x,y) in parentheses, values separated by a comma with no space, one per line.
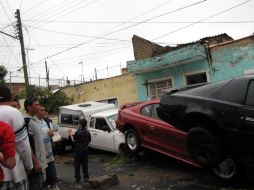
(143,48)
(122,87)
(233,59)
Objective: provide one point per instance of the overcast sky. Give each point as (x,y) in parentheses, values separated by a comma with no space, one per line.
(98,32)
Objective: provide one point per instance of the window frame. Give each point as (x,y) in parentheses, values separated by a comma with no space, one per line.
(149,82)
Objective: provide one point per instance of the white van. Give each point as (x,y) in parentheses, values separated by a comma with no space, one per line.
(69,115)
(104,135)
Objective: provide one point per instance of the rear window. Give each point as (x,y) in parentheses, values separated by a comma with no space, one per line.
(66,118)
(69,119)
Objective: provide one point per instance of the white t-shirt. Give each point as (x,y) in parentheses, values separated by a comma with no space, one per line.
(14,118)
(46,140)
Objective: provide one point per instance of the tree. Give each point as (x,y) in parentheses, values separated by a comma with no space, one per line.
(3,73)
(51,101)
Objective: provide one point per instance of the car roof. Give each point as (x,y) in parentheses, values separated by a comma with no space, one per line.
(106,113)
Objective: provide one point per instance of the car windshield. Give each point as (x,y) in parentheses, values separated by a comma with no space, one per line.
(112,120)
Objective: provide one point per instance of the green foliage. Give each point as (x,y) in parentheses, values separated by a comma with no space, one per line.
(48,99)
(55,100)
(3,73)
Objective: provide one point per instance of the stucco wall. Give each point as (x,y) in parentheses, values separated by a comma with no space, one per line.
(177,74)
(123,87)
(233,59)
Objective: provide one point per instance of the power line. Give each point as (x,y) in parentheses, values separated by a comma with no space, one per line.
(79,35)
(201,20)
(6,14)
(71,11)
(132,22)
(53,8)
(37,5)
(46,53)
(60,52)
(143,13)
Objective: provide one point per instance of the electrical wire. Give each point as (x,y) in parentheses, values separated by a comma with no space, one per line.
(71,11)
(45,53)
(6,14)
(201,20)
(68,49)
(52,9)
(37,5)
(79,35)
(131,22)
(143,13)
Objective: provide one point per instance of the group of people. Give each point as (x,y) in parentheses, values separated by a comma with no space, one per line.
(26,155)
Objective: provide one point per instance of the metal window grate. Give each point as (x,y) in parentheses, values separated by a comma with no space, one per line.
(157,88)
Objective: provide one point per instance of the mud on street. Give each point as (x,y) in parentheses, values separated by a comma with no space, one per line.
(146,171)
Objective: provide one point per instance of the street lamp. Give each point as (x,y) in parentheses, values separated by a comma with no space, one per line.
(81,63)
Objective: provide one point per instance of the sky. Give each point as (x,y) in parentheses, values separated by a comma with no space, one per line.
(75,37)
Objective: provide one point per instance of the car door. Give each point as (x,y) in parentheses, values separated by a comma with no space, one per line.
(101,135)
(247,112)
(165,137)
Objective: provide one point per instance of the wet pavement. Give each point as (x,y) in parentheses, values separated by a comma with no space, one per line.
(146,171)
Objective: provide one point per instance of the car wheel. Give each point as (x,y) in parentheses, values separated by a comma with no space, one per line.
(204,147)
(132,141)
(227,170)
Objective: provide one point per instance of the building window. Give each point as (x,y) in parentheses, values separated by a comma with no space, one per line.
(157,88)
(196,78)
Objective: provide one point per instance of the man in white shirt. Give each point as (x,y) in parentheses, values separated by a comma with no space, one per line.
(15,178)
(38,150)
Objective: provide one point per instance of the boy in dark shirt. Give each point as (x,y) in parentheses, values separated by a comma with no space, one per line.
(82,138)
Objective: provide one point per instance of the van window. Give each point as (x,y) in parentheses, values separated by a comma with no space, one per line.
(66,118)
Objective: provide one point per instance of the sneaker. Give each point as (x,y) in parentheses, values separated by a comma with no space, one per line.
(77,180)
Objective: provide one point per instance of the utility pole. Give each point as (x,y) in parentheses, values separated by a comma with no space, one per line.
(23,53)
(47,74)
(81,63)
(10,81)
(95,73)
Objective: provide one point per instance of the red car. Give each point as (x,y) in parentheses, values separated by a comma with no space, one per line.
(143,128)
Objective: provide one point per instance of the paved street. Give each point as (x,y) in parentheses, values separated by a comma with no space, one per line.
(148,171)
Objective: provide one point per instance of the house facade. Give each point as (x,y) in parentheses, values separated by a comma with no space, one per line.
(118,90)
(210,59)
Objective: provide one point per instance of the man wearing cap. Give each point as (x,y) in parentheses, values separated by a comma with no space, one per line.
(15,178)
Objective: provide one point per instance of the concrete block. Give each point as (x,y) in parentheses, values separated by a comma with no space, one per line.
(103,181)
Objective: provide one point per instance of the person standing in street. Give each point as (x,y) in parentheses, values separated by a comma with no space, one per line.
(82,138)
(36,141)
(47,134)
(15,178)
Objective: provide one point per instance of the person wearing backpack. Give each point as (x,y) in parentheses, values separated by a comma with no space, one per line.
(36,141)
(15,178)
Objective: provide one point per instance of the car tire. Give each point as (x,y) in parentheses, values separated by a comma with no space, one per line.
(204,147)
(228,170)
(132,141)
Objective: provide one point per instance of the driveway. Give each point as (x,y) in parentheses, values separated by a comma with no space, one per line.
(146,171)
